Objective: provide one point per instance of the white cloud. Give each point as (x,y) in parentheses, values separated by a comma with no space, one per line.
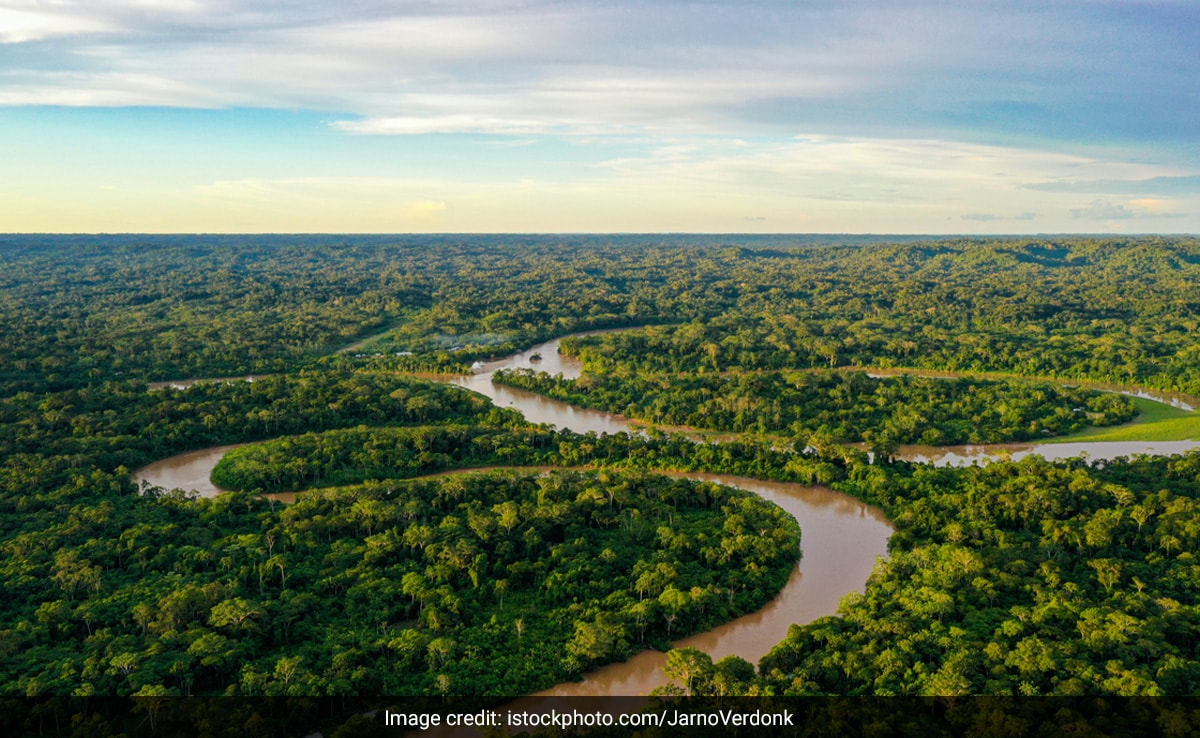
(583,68)
(22,25)
(106,90)
(461,123)
(860,168)
(24,21)
(693,108)
(1188,184)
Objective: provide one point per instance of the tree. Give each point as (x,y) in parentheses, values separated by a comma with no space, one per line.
(673,603)
(732,675)
(235,613)
(591,643)
(691,667)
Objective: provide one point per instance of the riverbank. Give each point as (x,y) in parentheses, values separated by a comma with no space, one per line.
(843,537)
(1155,421)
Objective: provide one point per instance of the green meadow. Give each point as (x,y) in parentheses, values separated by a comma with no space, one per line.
(1155,421)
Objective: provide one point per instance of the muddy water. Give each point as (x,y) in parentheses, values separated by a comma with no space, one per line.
(180,384)
(841,537)
(544,410)
(188,471)
(1094,450)
(538,409)
(840,541)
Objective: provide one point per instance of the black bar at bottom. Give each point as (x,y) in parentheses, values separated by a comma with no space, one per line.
(599,717)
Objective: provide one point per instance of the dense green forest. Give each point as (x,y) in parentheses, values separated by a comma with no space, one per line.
(87,309)
(1124,312)
(124,423)
(397,588)
(839,407)
(1026,578)
(1018,579)
(108,591)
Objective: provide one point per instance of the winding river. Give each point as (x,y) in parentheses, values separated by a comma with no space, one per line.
(841,537)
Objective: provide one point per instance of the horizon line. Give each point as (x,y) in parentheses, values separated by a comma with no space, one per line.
(866,234)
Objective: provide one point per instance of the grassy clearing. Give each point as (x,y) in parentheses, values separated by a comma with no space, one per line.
(1155,421)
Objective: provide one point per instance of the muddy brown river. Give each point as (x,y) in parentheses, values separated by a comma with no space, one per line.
(841,537)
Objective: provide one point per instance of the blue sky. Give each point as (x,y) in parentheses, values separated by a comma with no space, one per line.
(498,115)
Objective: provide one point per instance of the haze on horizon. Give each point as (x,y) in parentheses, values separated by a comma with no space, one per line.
(559,116)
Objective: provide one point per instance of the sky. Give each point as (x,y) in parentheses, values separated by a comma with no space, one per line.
(890,116)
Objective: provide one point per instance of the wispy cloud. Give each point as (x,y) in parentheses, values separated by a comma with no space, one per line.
(883,114)
(460,123)
(1140,208)
(36,22)
(1168,185)
(860,168)
(505,67)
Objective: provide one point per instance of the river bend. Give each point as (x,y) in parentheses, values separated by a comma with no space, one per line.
(841,536)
